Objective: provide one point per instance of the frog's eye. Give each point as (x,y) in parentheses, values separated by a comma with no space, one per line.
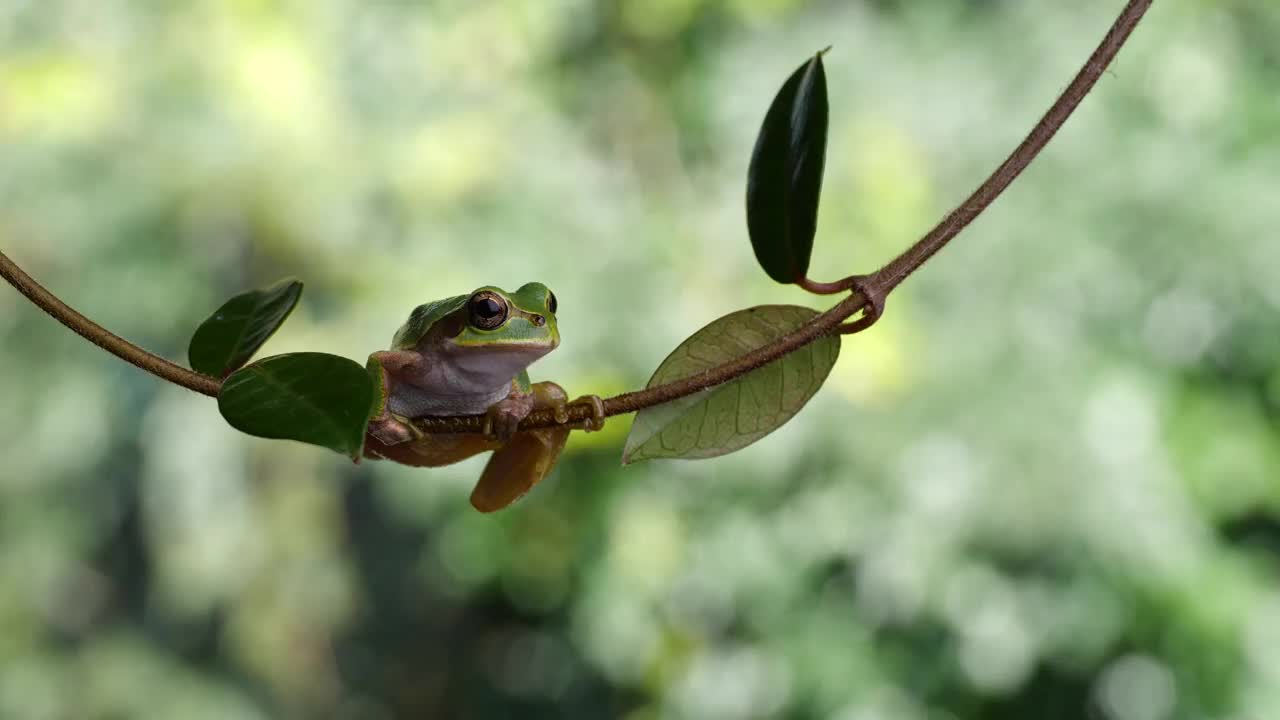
(551,302)
(487,310)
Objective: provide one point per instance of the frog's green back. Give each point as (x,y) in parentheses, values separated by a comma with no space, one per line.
(422,318)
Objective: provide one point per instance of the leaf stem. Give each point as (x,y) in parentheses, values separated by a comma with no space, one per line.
(102,337)
(827,288)
(883,281)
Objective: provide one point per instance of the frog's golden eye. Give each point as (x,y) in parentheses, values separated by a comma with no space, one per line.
(487,310)
(551,302)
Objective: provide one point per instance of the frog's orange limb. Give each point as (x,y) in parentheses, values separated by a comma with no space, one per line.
(551,395)
(517,466)
(593,423)
(430,450)
(525,459)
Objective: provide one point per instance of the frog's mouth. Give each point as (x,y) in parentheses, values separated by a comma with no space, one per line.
(537,346)
(532,347)
(499,362)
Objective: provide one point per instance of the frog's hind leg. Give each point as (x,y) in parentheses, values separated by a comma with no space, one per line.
(551,395)
(529,455)
(517,466)
(596,421)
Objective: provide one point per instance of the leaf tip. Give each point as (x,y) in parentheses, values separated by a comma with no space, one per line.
(628,454)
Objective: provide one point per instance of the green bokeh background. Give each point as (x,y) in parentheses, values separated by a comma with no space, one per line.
(1045,485)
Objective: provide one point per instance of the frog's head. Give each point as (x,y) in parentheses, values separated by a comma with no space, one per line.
(524,320)
(518,326)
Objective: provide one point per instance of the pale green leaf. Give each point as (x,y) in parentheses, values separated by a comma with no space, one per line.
(731,416)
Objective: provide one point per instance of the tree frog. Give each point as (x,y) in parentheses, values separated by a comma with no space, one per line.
(468,355)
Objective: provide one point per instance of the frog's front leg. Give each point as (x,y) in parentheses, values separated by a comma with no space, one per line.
(503,417)
(386,426)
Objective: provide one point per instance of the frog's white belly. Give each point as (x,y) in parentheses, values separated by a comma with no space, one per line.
(456,386)
(413,401)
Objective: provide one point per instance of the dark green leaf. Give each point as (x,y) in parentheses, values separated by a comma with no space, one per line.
(311,397)
(731,416)
(225,342)
(785,176)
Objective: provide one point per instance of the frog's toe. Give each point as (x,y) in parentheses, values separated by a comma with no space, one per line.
(596,421)
(560,411)
(390,430)
(507,427)
(501,423)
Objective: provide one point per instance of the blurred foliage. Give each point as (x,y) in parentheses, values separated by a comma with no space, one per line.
(1045,485)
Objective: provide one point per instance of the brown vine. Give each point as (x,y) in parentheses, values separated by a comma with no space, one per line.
(103,337)
(878,284)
